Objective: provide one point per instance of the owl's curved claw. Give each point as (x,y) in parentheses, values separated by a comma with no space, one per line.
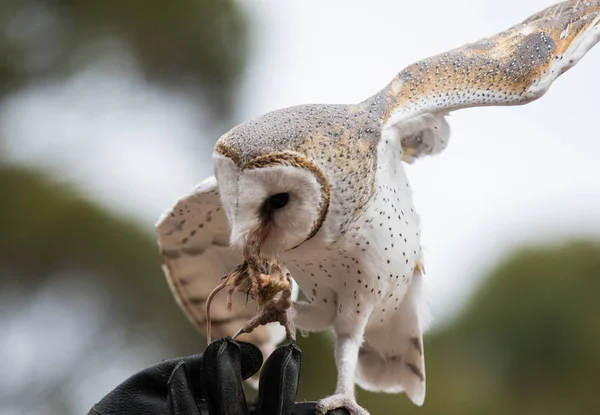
(266,316)
(348,402)
(277,311)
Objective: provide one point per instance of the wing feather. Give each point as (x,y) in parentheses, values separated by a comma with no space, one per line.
(392,357)
(514,67)
(193,239)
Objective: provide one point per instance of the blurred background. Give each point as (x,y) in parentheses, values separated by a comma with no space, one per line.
(109,111)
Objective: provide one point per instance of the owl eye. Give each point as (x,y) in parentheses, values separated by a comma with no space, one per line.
(278,201)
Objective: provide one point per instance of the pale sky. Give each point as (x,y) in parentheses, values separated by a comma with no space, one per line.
(509,175)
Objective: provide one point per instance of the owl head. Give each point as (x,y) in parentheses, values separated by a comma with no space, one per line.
(275,199)
(282,174)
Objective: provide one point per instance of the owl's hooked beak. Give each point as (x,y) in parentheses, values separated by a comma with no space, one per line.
(256,239)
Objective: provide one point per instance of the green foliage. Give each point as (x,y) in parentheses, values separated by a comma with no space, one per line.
(197,43)
(48,230)
(534,327)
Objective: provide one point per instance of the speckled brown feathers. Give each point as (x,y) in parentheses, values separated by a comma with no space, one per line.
(507,69)
(336,142)
(514,67)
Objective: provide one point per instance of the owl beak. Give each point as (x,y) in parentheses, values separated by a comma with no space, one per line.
(256,239)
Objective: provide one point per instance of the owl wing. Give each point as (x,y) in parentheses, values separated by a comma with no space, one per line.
(193,238)
(514,67)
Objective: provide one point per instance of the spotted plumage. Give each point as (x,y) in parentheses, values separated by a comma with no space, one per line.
(347,229)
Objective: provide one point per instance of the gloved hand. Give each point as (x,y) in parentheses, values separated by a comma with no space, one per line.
(211,384)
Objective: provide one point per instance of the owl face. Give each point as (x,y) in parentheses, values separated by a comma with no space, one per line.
(274,202)
(274,174)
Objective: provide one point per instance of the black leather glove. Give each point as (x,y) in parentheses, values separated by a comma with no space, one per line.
(211,384)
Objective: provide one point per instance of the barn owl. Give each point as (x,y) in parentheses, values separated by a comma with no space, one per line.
(325,187)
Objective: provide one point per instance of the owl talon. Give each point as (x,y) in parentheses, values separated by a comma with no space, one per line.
(266,316)
(340,401)
(277,311)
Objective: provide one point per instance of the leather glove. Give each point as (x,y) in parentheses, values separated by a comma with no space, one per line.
(211,384)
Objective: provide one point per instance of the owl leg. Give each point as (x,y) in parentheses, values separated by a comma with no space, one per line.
(309,317)
(275,311)
(346,358)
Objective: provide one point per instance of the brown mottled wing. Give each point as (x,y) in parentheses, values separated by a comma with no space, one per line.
(514,67)
(193,238)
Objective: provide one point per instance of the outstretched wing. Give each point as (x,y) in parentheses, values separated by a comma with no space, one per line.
(514,67)
(193,237)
